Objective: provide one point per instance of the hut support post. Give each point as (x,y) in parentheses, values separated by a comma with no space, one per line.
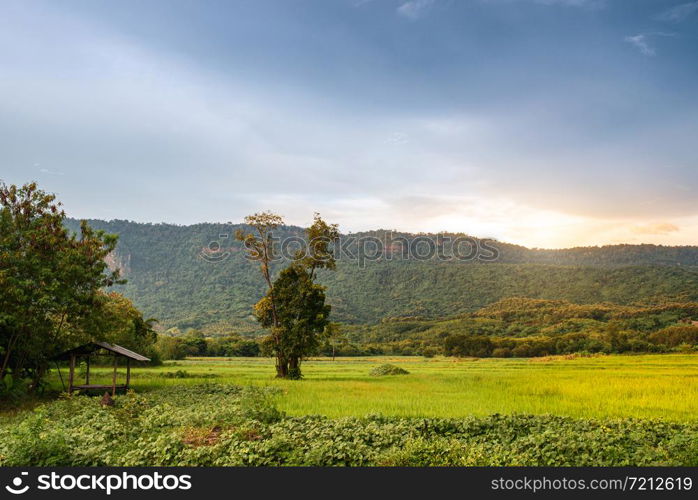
(113,379)
(58,368)
(128,373)
(87,373)
(71,375)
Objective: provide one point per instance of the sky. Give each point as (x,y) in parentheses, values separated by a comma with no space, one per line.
(548,123)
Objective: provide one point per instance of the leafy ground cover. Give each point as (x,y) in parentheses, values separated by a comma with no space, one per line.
(217,425)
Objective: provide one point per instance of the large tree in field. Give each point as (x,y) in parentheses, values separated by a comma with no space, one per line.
(49,281)
(312,315)
(294,306)
(302,315)
(260,248)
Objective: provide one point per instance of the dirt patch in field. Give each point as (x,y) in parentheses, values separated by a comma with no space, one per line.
(202,436)
(196,436)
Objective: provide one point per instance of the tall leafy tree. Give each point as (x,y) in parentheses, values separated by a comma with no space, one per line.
(302,315)
(312,315)
(294,306)
(260,248)
(49,280)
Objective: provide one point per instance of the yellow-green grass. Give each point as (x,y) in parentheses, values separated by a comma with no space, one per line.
(645,386)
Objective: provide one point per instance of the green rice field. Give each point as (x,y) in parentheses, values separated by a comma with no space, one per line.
(645,386)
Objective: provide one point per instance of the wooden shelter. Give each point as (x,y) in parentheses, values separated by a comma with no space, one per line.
(98,349)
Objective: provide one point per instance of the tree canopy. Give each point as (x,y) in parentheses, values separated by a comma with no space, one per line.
(50,285)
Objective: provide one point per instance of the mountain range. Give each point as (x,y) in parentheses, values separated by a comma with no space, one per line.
(196,277)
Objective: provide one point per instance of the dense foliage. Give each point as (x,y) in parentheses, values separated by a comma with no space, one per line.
(217,425)
(118,321)
(51,290)
(170,279)
(514,327)
(302,316)
(521,327)
(50,283)
(193,343)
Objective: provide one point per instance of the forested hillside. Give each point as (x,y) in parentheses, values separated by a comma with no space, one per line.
(532,327)
(175,277)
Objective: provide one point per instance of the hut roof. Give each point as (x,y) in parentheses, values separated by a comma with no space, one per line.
(95,346)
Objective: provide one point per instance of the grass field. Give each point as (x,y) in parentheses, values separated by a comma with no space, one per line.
(645,386)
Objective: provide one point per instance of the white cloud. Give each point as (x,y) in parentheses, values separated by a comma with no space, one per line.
(640,42)
(678,13)
(397,139)
(414,9)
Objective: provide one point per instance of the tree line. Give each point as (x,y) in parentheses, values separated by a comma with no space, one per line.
(524,327)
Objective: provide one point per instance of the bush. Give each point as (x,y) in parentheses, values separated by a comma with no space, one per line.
(676,335)
(387,369)
(501,352)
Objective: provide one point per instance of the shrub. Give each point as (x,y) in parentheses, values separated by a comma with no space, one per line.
(387,369)
(676,335)
(501,352)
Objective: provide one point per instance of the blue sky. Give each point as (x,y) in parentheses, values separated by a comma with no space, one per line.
(544,122)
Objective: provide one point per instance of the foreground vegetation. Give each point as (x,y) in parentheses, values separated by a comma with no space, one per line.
(216,425)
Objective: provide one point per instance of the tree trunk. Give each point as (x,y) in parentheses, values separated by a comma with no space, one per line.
(113,379)
(6,360)
(294,368)
(71,374)
(38,375)
(281,366)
